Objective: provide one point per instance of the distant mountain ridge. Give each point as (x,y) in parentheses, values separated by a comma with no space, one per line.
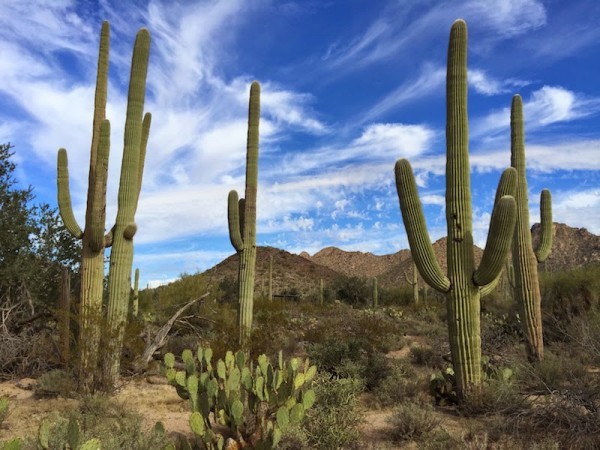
(572,247)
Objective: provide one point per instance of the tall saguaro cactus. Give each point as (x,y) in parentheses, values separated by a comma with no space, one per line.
(242,220)
(463,281)
(413,281)
(375,293)
(137,129)
(92,236)
(525,258)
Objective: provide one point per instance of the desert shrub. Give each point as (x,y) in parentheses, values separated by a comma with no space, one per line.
(400,385)
(353,290)
(566,296)
(424,355)
(55,383)
(336,357)
(493,397)
(411,421)
(334,420)
(555,372)
(500,332)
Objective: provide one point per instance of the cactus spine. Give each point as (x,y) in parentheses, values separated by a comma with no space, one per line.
(93,241)
(242,220)
(137,128)
(525,259)
(136,294)
(463,283)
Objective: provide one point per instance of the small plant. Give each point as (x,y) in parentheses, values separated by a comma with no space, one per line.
(411,421)
(442,386)
(55,383)
(257,403)
(4,409)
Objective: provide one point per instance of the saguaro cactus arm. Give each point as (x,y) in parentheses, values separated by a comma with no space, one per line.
(64,195)
(506,186)
(545,245)
(416,229)
(502,226)
(233,219)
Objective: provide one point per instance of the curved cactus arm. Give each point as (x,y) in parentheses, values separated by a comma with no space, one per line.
(96,228)
(64,195)
(416,230)
(545,245)
(242,216)
(233,216)
(506,186)
(143,146)
(502,227)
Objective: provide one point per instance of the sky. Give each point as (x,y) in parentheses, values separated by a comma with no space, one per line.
(348,88)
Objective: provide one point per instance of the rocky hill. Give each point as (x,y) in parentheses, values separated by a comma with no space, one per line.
(571,247)
(290,272)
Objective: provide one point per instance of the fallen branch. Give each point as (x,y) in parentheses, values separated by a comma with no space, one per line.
(159,340)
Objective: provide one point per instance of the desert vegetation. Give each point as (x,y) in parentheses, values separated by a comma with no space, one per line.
(273,350)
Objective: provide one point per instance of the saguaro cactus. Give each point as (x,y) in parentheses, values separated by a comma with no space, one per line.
(463,282)
(137,128)
(414,282)
(93,240)
(375,293)
(242,220)
(525,259)
(136,294)
(271,278)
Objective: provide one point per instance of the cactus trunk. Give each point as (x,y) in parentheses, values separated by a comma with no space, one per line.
(65,316)
(464,281)
(92,253)
(242,220)
(137,127)
(525,260)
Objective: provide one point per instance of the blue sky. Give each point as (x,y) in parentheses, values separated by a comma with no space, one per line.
(348,87)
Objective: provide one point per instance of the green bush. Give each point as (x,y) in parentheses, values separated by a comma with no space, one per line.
(55,383)
(4,409)
(400,385)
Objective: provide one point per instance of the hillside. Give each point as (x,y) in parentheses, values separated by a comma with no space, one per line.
(572,247)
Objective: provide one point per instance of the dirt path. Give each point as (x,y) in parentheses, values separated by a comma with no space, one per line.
(154,402)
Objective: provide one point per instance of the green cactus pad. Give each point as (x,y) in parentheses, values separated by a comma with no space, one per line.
(197,424)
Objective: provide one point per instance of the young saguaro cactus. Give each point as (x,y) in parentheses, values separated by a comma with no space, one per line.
(375,293)
(136,294)
(525,258)
(92,236)
(463,281)
(414,283)
(137,129)
(242,220)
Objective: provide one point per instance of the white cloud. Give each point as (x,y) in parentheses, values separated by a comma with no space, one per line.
(547,105)
(486,85)
(509,18)
(577,208)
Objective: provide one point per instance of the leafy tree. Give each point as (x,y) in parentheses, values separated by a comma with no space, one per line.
(33,243)
(353,290)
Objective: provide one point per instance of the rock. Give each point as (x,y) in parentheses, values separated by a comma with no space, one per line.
(26,384)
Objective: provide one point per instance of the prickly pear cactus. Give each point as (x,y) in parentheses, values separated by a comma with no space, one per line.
(256,401)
